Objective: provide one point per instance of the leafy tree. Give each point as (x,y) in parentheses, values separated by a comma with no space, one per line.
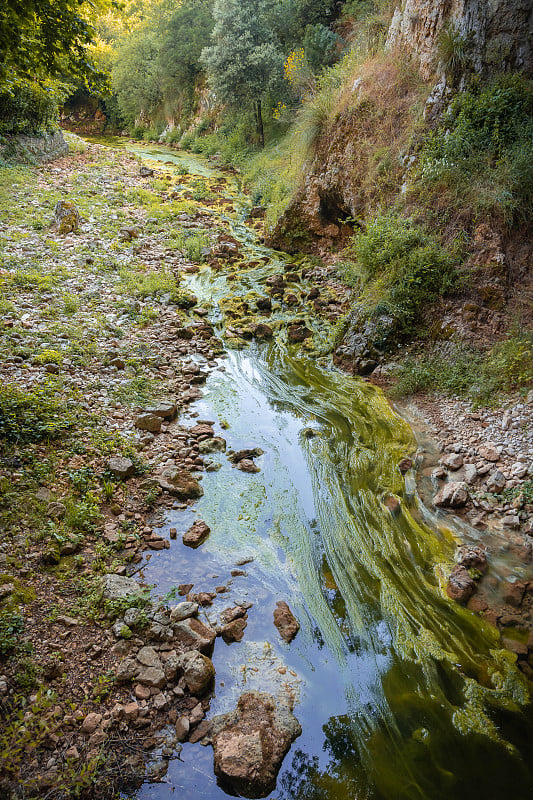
(135,75)
(246,61)
(186,34)
(39,38)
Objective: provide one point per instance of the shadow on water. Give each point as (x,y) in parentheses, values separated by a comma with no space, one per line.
(402,695)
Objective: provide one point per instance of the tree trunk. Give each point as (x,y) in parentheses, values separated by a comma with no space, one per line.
(259,122)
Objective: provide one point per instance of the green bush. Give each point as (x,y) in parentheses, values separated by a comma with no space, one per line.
(30,107)
(401,267)
(483,149)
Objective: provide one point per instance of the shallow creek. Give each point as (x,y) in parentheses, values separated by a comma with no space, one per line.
(401,694)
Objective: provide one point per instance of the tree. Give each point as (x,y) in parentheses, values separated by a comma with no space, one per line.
(39,38)
(246,60)
(185,36)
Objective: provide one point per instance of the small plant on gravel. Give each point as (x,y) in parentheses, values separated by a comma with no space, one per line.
(11,626)
(31,416)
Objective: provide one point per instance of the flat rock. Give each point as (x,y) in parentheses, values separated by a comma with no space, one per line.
(250,743)
(194,635)
(489,452)
(234,631)
(180,483)
(148,422)
(121,467)
(247,465)
(183,611)
(165,410)
(149,657)
(285,621)
(496,482)
(197,534)
(452,495)
(471,558)
(119,587)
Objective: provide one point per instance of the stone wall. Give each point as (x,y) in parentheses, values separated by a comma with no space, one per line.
(34,149)
(500,32)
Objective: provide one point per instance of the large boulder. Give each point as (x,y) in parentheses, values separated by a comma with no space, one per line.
(250,743)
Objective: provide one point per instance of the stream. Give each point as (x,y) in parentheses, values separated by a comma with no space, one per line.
(401,694)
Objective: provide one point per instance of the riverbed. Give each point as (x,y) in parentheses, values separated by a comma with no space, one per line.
(400,692)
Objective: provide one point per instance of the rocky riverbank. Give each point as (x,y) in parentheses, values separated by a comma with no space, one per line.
(480,467)
(102,348)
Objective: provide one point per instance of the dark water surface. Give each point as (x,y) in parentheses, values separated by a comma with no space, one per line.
(401,694)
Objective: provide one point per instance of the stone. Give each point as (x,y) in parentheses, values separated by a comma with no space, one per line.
(6,589)
(67,217)
(496,482)
(151,676)
(193,634)
(121,467)
(149,657)
(215,444)
(182,729)
(142,692)
(472,558)
(180,483)
(393,504)
(148,422)
(183,611)
(196,715)
(469,473)
(452,495)
(298,333)
(234,631)
(196,534)
(250,743)
(262,331)
(198,672)
(452,461)
(489,452)
(201,732)
(285,621)
(119,587)
(247,465)
(56,510)
(241,455)
(90,723)
(513,593)
(126,670)
(165,410)
(145,172)
(405,465)
(460,585)
(230,614)
(511,521)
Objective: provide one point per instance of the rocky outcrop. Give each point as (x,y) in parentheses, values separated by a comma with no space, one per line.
(498,33)
(250,743)
(34,149)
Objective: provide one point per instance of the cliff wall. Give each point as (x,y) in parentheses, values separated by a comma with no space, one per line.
(499,33)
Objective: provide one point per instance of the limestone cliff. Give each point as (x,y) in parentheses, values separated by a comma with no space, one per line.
(499,32)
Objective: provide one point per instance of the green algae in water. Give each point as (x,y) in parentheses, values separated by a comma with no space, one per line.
(404,692)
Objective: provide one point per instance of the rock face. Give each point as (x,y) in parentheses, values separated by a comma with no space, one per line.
(251,742)
(500,32)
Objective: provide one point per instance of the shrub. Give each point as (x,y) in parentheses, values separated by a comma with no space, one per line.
(11,626)
(31,107)
(482,152)
(401,267)
(469,372)
(31,416)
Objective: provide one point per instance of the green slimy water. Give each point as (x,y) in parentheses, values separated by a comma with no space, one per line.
(401,694)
